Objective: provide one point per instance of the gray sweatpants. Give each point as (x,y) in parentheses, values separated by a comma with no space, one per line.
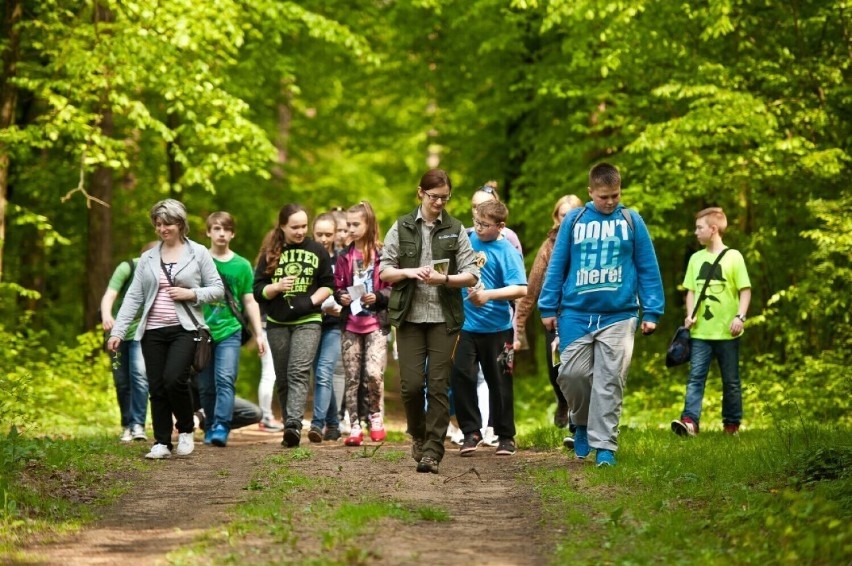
(293,351)
(592,375)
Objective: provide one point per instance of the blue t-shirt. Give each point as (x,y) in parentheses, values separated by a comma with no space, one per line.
(500,265)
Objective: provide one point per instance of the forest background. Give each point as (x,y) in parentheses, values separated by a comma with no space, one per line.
(109,106)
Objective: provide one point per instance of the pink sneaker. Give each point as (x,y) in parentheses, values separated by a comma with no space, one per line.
(355,438)
(377,428)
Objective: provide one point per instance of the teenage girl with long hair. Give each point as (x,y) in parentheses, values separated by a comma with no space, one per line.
(292,280)
(365,321)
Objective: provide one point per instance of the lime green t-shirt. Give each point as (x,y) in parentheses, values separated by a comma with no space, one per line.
(121,278)
(238,275)
(719,307)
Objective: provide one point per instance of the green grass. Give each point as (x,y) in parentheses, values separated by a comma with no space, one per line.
(50,486)
(760,497)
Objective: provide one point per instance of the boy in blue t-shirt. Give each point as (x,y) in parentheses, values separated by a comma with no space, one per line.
(487,335)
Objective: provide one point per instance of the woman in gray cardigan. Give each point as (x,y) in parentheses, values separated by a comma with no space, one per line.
(178,272)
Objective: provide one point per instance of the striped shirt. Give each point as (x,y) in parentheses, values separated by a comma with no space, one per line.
(163,312)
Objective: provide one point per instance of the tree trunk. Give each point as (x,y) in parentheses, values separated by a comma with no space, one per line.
(99,235)
(175,168)
(99,239)
(285,120)
(8,102)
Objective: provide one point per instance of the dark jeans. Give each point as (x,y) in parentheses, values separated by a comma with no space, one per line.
(168,356)
(245,413)
(477,349)
(727,354)
(293,351)
(417,343)
(553,370)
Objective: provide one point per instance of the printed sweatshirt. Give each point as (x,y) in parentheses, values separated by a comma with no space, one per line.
(601,272)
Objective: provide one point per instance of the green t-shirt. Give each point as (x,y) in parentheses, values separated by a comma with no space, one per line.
(237,274)
(119,282)
(719,307)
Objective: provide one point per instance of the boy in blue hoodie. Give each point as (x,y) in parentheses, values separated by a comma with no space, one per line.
(602,271)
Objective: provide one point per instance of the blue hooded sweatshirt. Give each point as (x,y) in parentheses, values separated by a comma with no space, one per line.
(600,273)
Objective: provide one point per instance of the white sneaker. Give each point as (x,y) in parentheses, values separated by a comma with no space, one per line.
(455,434)
(159,452)
(126,435)
(138,432)
(489,438)
(185,444)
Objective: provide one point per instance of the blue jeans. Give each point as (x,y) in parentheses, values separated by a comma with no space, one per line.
(727,353)
(131,384)
(216,382)
(325,402)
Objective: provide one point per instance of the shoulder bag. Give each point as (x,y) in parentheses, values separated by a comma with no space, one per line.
(678,351)
(241,318)
(203,339)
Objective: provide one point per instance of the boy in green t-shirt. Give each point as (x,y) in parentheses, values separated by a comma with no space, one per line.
(216,382)
(716,329)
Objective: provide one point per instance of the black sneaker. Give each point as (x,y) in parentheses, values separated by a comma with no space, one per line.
(292,436)
(505,447)
(417,449)
(470,443)
(427,465)
(568,442)
(315,434)
(331,434)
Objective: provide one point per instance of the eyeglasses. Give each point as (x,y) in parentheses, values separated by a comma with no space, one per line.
(436,198)
(487,189)
(483,225)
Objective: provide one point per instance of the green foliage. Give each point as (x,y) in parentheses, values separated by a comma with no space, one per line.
(46,386)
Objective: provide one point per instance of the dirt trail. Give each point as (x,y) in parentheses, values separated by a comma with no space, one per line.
(494,519)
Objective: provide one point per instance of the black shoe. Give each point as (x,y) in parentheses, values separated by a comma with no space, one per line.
(292,436)
(417,449)
(331,434)
(505,447)
(470,443)
(568,442)
(201,418)
(428,465)
(315,434)
(560,417)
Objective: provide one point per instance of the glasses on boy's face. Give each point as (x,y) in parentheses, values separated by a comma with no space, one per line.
(483,225)
(436,198)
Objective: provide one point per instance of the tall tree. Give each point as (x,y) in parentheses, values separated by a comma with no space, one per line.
(12,12)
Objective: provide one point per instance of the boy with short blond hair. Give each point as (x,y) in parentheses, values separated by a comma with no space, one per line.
(716,329)
(487,334)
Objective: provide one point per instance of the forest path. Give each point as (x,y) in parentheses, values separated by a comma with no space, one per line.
(494,515)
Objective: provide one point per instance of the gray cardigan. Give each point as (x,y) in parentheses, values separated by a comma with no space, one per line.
(195,270)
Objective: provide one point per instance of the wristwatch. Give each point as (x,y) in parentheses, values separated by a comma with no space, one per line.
(742,317)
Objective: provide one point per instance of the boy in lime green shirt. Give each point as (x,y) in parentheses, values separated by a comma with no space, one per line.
(718,325)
